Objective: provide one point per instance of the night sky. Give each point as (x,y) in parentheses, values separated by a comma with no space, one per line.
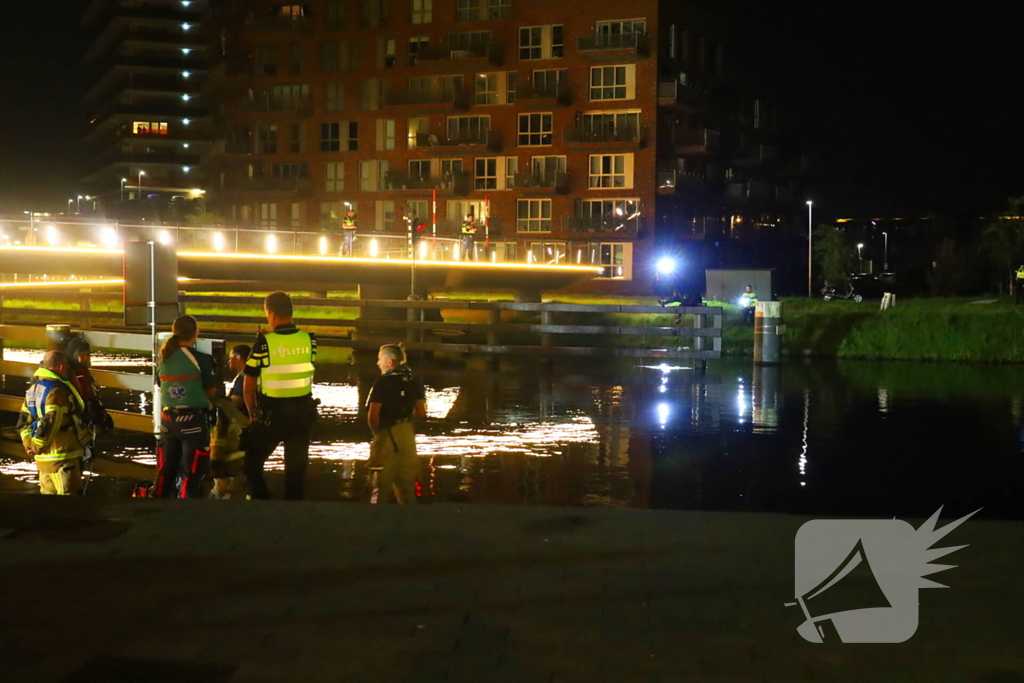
(902,111)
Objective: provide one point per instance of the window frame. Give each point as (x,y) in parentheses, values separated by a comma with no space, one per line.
(529,220)
(535,138)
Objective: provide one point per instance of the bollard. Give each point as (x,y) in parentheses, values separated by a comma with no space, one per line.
(767,318)
(57,337)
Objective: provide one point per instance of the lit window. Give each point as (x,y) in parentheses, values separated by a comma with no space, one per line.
(533,215)
(609,170)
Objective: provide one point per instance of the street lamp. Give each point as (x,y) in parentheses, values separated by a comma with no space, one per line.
(79,204)
(860,260)
(123,181)
(141,173)
(885,252)
(810,230)
(70,201)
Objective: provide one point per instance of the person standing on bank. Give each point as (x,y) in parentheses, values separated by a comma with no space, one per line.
(395,399)
(348,228)
(232,417)
(53,428)
(1019,283)
(278,390)
(188,384)
(468,235)
(79,353)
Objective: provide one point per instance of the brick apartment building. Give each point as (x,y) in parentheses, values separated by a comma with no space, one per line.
(148,129)
(596,133)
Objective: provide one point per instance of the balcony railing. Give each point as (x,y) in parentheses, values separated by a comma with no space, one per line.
(302,106)
(373,22)
(671,180)
(270,184)
(748,190)
(229,148)
(557,183)
(398,181)
(676,93)
(608,226)
(755,155)
(635,42)
(489,51)
(409,97)
(703,140)
(557,93)
(277,23)
(602,135)
(491,139)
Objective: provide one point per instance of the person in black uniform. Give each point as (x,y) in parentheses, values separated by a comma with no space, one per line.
(395,399)
(278,393)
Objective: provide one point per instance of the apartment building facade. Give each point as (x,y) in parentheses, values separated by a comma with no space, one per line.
(148,126)
(591,133)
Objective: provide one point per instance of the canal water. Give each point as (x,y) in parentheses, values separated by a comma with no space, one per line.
(846,438)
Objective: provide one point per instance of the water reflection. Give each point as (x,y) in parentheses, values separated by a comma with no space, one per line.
(724,437)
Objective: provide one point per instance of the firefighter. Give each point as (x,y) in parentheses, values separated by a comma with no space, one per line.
(278,392)
(348,228)
(468,235)
(188,383)
(54,428)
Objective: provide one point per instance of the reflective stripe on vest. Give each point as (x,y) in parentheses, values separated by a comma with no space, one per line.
(290,372)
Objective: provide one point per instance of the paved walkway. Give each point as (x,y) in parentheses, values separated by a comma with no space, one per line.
(153,591)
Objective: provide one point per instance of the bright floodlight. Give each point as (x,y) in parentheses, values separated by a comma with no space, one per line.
(165,237)
(666,266)
(218,241)
(373,248)
(271,244)
(323,246)
(108,237)
(51,235)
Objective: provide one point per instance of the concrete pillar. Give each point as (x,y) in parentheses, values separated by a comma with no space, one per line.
(493,319)
(57,337)
(767,318)
(546,318)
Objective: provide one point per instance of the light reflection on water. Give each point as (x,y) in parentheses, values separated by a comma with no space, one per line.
(822,438)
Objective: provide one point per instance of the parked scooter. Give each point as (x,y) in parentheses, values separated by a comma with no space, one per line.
(830,293)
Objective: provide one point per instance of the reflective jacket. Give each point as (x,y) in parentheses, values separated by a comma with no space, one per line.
(468,228)
(348,222)
(290,370)
(748,299)
(228,433)
(52,420)
(1020,273)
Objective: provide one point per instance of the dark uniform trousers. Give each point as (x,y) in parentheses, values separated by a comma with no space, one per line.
(183,457)
(288,421)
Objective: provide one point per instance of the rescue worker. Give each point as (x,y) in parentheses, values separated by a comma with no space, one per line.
(79,354)
(278,392)
(188,384)
(227,453)
(396,398)
(468,235)
(748,301)
(348,228)
(53,427)
(1019,282)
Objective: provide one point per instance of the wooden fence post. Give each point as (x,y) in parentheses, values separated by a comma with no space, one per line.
(85,307)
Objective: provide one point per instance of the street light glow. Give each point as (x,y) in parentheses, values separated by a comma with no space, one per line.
(51,235)
(666,266)
(271,244)
(218,241)
(323,245)
(108,237)
(165,237)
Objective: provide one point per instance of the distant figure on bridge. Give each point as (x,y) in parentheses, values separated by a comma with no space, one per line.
(54,427)
(79,354)
(188,384)
(348,228)
(395,399)
(278,392)
(468,235)
(1019,283)
(748,302)
(228,453)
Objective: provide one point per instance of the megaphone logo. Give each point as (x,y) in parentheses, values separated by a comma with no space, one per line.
(857,579)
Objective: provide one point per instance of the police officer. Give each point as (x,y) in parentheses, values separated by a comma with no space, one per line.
(748,301)
(348,228)
(53,427)
(396,398)
(468,234)
(1020,282)
(188,382)
(278,390)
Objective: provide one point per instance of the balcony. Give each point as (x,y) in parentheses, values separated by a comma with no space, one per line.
(671,180)
(428,101)
(298,107)
(274,23)
(613,47)
(370,22)
(403,181)
(450,226)
(299,186)
(603,226)
(747,191)
(694,142)
(447,142)
(228,148)
(545,96)
(605,136)
(544,183)
(685,98)
(756,155)
(461,57)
